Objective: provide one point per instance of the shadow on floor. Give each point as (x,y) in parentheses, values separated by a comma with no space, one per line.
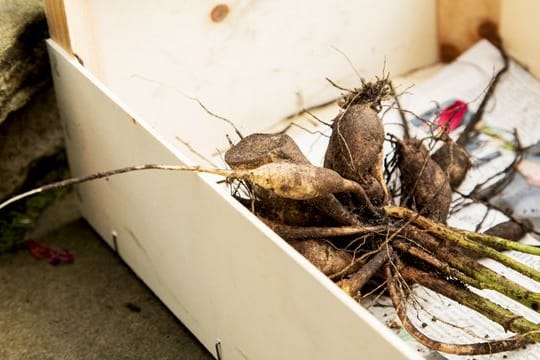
(95,308)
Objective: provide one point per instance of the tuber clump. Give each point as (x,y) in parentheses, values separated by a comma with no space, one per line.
(343,220)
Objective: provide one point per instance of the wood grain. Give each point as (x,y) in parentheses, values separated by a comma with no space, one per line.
(519,29)
(58,27)
(461,23)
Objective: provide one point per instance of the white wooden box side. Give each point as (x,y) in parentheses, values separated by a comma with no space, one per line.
(265,60)
(222,272)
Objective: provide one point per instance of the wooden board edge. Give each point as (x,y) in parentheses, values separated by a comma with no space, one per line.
(55,12)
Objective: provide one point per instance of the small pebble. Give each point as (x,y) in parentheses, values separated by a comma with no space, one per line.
(133,307)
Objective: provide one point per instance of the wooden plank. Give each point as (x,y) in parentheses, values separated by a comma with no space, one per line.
(156,57)
(461,23)
(57,21)
(519,29)
(211,261)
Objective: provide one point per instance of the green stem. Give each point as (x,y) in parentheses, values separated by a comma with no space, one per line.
(504,317)
(460,240)
(484,277)
(443,266)
(498,242)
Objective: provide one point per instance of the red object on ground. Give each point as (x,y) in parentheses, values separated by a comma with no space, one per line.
(452,116)
(54,256)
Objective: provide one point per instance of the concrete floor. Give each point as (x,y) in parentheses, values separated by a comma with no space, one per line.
(95,308)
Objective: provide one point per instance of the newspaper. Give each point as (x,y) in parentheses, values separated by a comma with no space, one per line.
(514,105)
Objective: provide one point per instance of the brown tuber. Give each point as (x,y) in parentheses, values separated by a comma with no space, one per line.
(453,158)
(355,149)
(300,182)
(356,142)
(259,149)
(323,255)
(275,208)
(424,185)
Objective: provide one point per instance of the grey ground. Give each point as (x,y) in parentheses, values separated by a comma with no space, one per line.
(95,308)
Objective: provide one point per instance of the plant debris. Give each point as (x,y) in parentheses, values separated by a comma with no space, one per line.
(44,252)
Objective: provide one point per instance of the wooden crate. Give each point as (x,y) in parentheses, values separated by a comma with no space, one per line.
(126,73)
